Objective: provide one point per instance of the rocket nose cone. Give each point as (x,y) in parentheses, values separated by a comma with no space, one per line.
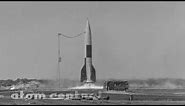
(88,29)
(88,34)
(87,19)
(87,25)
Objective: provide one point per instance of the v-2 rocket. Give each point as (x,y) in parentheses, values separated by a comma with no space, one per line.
(88,73)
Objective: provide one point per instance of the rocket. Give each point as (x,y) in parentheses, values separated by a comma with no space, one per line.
(88,73)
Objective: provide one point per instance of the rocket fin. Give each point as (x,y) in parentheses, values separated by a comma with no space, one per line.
(83,74)
(93,74)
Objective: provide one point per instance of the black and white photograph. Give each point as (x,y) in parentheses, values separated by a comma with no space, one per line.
(92,53)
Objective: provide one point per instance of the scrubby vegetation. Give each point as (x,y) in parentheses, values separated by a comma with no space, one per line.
(10,82)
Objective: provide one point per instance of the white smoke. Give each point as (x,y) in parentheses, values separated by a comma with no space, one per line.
(87,86)
(158,83)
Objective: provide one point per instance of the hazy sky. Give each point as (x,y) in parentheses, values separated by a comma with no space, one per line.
(130,39)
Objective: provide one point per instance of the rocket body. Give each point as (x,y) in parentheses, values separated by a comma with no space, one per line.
(88,73)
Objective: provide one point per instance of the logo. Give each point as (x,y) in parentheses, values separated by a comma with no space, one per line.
(76,95)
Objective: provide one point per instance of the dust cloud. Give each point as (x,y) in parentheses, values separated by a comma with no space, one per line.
(161,83)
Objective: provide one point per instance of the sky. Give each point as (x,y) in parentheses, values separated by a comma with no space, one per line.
(130,40)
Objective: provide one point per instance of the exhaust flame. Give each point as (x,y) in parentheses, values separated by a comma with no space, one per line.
(87,86)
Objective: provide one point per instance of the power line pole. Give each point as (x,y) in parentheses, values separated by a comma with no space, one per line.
(59,59)
(59,55)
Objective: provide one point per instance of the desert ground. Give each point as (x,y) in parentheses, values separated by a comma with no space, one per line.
(139,97)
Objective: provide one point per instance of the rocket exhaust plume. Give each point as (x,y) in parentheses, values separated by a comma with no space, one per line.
(87,86)
(88,73)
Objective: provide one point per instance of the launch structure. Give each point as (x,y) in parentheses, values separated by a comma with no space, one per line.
(59,59)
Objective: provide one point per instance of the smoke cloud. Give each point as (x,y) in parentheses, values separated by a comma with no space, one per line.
(165,83)
(158,83)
